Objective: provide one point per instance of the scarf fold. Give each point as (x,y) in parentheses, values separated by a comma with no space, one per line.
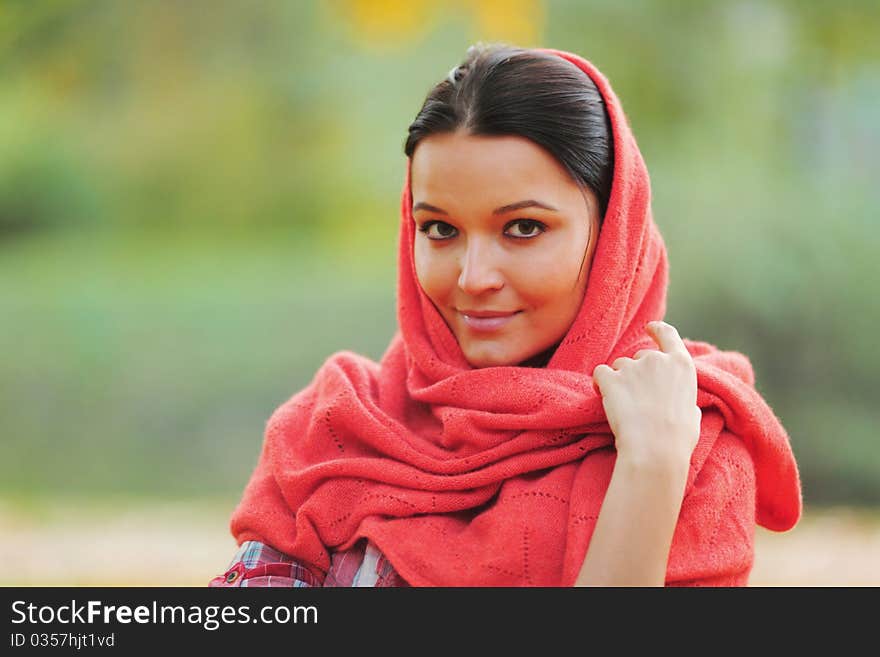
(495,476)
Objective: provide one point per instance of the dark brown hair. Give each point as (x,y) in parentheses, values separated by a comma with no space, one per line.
(504,90)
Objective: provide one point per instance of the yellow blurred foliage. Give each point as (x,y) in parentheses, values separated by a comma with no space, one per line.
(520,22)
(380,24)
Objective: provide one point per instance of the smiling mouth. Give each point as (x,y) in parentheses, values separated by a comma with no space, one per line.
(488,323)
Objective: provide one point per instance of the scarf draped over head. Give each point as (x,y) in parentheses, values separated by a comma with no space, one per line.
(495,476)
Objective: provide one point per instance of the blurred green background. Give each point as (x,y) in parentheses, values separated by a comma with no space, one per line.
(199,204)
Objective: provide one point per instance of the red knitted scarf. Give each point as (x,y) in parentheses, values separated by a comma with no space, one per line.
(495,476)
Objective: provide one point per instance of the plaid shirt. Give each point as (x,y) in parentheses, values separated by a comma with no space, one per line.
(257,564)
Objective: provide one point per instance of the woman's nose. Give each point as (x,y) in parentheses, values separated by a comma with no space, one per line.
(479,270)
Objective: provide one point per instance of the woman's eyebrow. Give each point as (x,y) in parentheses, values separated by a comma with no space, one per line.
(519,205)
(427,206)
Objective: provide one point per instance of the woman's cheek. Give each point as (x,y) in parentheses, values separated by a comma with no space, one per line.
(542,280)
(434,275)
(423,267)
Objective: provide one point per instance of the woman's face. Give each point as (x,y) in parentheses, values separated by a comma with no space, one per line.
(501,229)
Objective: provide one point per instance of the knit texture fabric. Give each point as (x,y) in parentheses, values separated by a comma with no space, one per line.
(495,476)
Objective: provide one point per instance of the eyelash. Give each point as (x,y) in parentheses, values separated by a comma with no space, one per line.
(425,227)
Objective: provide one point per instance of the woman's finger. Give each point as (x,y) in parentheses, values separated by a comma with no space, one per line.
(643,352)
(667,337)
(620,362)
(601,375)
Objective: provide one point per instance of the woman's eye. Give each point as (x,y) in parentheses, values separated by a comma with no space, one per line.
(444,230)
(527,227)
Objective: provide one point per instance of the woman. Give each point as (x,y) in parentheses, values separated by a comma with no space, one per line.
(493,445)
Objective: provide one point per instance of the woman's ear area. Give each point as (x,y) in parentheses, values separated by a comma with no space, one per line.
(593,215)
(413,169)
(408,183)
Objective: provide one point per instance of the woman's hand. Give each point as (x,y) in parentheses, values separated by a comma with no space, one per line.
(650,400)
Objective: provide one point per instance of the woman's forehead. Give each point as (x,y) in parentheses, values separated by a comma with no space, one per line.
(491,168)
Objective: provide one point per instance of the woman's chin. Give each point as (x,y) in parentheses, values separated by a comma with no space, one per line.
(499,357)
(489,358)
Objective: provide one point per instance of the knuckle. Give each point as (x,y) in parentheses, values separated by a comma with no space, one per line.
(683,358)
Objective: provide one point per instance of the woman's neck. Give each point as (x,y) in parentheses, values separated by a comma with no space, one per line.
(541,359)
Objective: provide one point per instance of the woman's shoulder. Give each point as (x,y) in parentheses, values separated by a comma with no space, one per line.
(725,468)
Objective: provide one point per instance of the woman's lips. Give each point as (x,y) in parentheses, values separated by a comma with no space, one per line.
(487,323)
